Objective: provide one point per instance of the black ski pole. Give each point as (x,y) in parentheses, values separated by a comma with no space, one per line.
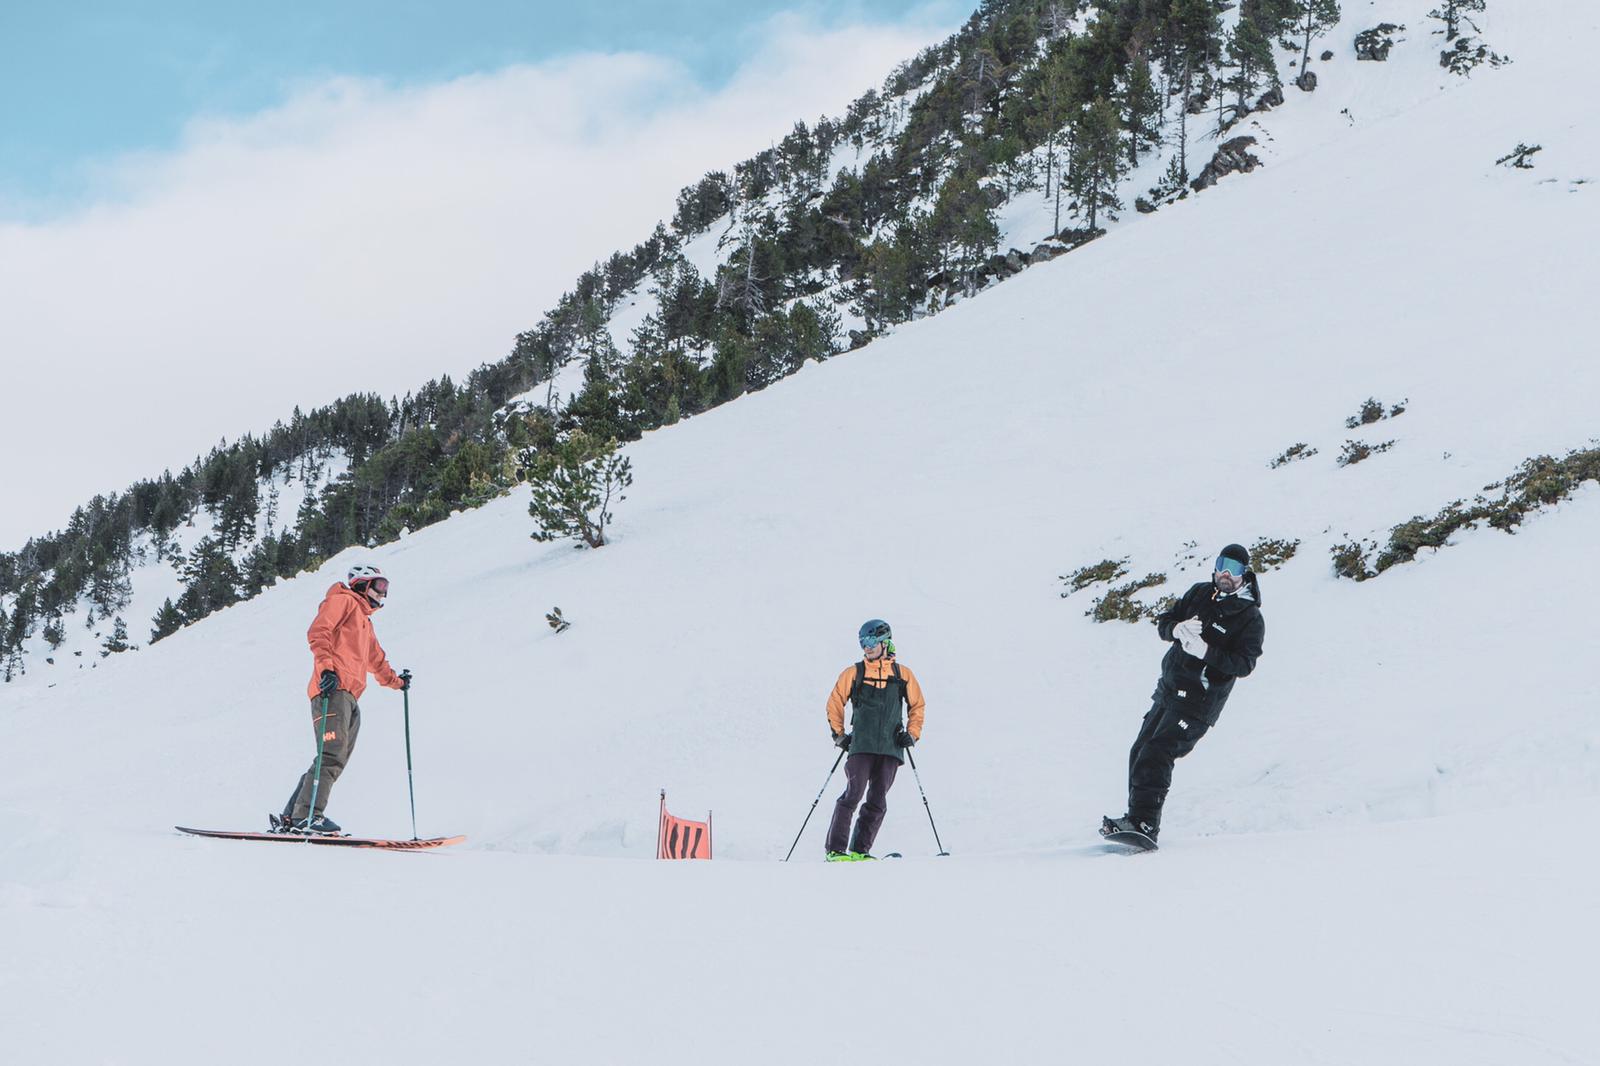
(925,806)
(405,693)
(814,803)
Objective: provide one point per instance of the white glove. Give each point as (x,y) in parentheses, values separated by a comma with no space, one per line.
(1188,634)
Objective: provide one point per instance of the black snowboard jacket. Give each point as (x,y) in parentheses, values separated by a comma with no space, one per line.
(1233,630)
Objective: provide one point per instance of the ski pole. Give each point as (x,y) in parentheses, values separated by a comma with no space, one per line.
(405,693)
(925,806)
(316,776)
(814,803)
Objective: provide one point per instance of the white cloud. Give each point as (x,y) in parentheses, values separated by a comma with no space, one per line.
(360,237)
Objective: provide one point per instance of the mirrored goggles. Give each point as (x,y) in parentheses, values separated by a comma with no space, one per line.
(872,640)
(379,585)
(1230,566)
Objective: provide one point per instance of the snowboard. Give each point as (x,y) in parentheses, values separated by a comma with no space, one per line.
(1137,841)
(336,841)
(1128,838)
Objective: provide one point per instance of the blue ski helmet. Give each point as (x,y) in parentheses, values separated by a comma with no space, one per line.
(873,632)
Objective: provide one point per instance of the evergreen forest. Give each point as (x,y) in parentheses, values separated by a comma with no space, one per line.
(838,232)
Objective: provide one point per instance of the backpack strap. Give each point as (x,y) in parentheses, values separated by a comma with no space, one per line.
(861,676)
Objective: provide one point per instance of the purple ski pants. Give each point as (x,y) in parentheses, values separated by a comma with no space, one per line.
(865,775)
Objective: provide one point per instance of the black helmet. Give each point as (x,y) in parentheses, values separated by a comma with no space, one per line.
(1234,553)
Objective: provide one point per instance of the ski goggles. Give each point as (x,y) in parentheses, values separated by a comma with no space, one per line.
(380,585)
(876,637)
(1230,566)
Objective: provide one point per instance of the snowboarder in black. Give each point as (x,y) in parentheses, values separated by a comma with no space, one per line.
(1216,630)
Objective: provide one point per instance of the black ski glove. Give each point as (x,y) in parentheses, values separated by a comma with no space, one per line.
(329,683)
(903,738)
(842,741)
(405,681)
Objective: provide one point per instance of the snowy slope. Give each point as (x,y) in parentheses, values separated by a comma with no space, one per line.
(1339,880)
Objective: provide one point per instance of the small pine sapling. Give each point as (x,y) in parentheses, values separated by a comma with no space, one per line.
(574,484)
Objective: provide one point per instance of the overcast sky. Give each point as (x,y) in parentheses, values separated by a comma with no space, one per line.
(209,219)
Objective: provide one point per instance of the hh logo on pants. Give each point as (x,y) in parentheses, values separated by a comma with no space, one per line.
(1182,724)
(329,735)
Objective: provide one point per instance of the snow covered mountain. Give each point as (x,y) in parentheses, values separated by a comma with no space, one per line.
(1371,858)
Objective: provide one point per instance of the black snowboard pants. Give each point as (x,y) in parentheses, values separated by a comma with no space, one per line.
(867,775)
(1169,733)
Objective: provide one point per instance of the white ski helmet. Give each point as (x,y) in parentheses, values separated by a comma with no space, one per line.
(363,572)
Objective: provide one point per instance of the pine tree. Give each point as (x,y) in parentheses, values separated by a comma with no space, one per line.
(15,631)
(598,406)
(1140,106)
(891,277)
(212,580)
(239,504)
(983,76)
(962,226)
(573,486)
(727,375)
(749,280)
(110,586)
(1453,13)
(1096,163)
(117,642)
(661,380)
(168,620)
(1056,104)
(1194,29)
(784,340)
(1250,49)
(1313,18)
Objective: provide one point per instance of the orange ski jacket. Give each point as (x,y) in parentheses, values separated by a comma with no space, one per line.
(342,640)
(877,675)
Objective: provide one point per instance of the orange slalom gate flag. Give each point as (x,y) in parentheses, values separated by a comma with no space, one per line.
(679,838)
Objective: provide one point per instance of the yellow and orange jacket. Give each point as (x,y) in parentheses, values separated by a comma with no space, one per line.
(878,674)
(342,640)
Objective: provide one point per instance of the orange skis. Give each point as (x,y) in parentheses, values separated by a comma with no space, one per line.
(310,838)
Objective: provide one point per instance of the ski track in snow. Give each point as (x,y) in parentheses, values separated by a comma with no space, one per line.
(1382,853)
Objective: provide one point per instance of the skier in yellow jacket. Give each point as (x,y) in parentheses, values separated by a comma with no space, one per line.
(877,687)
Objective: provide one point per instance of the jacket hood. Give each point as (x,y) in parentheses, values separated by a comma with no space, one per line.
(339,587)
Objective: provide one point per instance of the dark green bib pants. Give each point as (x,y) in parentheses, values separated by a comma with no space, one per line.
(874,759)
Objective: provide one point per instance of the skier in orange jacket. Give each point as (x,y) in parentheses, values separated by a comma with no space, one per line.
(877,688)
(344,649)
